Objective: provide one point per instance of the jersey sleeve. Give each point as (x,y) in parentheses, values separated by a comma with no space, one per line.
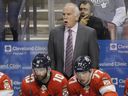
(72,87)
(126,88)
(5,82)
(6,88)
(110,94)
(23,91)
(26,86)
(103,82)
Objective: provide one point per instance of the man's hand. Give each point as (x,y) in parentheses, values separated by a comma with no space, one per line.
(84,20)
(112,29)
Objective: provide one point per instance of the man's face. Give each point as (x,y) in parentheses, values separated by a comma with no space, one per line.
(83,77)
(85,10)
(69,16)
(40,73)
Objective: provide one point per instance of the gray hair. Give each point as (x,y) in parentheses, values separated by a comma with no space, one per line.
(76,9)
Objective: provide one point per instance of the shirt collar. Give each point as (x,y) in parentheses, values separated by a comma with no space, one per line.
(74,28)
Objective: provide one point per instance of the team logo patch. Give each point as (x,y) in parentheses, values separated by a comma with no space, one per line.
(86,88)
(43,88)
(65,92)
(6,85)
(106,82)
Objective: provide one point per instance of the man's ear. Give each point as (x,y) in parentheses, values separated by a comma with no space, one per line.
(77,18)
(91,14)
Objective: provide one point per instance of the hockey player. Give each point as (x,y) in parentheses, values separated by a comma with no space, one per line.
(88,81)
(6,88)
(126,88)
(43,81)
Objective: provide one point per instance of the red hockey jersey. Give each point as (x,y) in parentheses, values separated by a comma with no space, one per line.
(54,87)
(99,85)
(126,88)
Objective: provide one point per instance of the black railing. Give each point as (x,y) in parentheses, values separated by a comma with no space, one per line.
(35,16)
(21,29)
(24,30)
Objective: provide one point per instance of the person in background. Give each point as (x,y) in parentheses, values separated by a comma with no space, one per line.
(43,81)
(126,5)
(113,12)
(13,7)
(125,29)
(6,88)
(82,38)
(126,88)
(88,81)
(87,18)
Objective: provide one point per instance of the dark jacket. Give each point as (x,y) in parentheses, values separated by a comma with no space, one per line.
(101,30)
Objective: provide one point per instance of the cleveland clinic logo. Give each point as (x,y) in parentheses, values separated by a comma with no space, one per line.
(115,81)
(10,66)
(8,48)
(113,46)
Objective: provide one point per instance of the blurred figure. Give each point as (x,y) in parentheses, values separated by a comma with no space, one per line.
(126,5)
(83,41)
(88,81)
(126,88)
(112,29)
(125,29)
(43,81)
(13,10)
(111,11)
(6,88)
(87,18)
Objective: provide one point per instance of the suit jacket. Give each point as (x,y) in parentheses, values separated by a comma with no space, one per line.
(86,44)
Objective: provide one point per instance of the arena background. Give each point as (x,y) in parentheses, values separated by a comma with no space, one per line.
(16,60)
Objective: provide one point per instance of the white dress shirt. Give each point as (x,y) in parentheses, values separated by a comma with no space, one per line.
(74,33)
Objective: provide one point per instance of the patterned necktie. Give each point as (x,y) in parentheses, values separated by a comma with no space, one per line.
(69,55)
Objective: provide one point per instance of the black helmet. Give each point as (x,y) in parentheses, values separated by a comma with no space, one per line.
(41,61)
(82,63)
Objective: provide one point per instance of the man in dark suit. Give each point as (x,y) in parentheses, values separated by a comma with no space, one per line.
(83,38)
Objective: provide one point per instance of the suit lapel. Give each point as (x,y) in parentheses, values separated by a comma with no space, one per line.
(62,42)
(77,42)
